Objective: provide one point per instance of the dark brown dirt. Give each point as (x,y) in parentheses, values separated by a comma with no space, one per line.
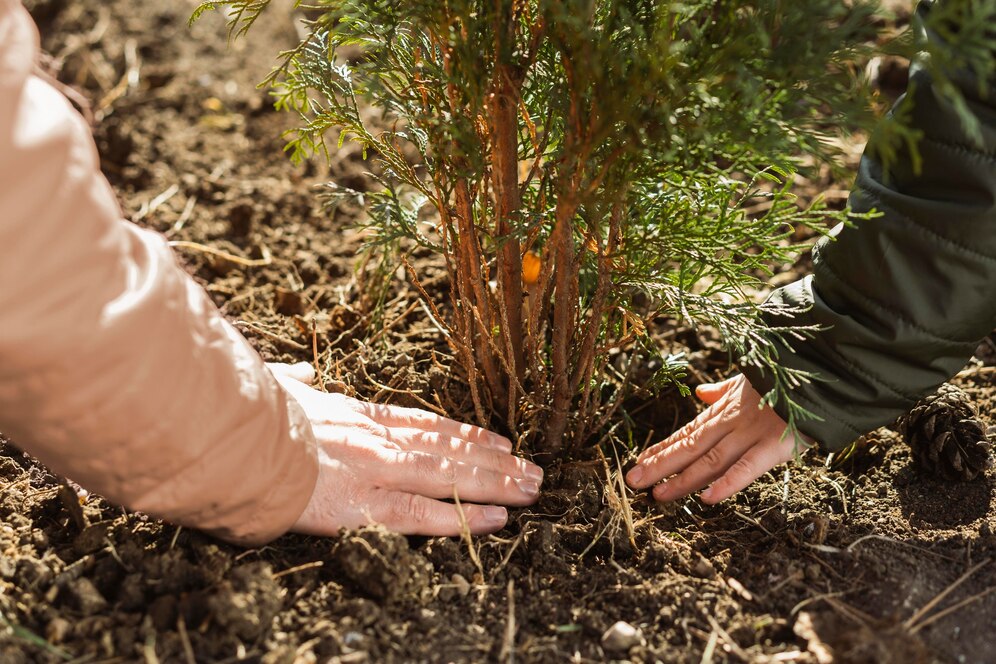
(815,563)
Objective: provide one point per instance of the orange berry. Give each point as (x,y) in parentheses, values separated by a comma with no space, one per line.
(531,267)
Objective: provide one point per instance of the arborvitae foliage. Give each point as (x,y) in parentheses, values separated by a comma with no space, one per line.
(582,167)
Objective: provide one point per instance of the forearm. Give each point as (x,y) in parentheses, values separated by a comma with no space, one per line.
(906,296)
(115,368)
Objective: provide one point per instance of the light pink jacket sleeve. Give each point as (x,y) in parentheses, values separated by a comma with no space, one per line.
(115,368)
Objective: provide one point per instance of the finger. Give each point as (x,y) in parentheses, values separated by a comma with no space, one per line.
(754,463)
(436,476)
(414,418)
(482,456)
(679,450)
(710,393)
(703,420)
(706,468)
(301,371)
(413,514)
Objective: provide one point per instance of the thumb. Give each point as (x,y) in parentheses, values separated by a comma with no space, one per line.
(302,372)
(710,393)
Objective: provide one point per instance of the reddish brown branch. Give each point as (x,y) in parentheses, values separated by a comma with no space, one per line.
(565,308)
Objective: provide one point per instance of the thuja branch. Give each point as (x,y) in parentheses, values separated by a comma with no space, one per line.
(591,166)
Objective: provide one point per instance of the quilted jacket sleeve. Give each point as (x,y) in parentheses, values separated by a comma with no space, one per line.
(905,297)
(115,368)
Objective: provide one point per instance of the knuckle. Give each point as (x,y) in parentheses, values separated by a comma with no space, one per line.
(414,417)
(409,507)
(403,418)
(496,459)
(712,458)
(412,437)
(650,452)
(432,468)
(504,463)
(428,438)
(655,459)
(421,438)
(373,429)
(419,509)
(354,404)
(688,429)
(743,468)
(370,456)
(461,430)
(687,444)
(449,472)
(444,469)
(454,447)
(671,453)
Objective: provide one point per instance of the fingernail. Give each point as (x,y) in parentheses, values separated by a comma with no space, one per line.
(660,491)
(534,472)
(706,494)
(634,476)
(495,515)
(528,487)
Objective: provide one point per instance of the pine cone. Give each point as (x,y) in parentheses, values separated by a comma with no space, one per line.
(945,435)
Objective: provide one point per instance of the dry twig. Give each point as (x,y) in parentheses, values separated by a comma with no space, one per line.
(270,335)
(188,210)
(466,535)
(911,622)
(734,646)
(203,248)
(508,647)
(951,609)
(188,650)
(129,79)
(299,568)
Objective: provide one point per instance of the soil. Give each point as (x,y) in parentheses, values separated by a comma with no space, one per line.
(866,560)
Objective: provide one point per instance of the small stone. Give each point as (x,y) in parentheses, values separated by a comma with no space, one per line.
(703,569)
(288,302)
(621,637)
(8,567)
(354,640)
(541,539)
(57,630)
(39,540)
(92,538)
(462,584)
(85,596)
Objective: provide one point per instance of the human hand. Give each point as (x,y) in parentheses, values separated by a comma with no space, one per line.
(729,445)
(391,465)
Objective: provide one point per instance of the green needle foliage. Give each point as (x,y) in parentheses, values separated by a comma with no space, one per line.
(583,167)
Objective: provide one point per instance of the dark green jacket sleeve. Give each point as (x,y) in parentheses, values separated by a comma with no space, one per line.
(906,296)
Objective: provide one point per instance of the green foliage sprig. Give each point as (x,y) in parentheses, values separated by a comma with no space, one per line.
(589,165)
